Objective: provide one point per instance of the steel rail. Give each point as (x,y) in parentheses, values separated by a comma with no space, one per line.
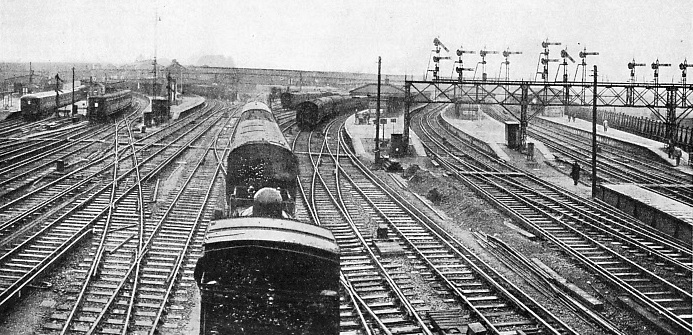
(135,266)
(17,286)
(440,274)
(191,233)
(607,217)
(82,182)
(342,210)
(140,234)
(624,286)
(409,307)
(94,268)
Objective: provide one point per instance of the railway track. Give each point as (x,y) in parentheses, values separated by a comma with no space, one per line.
(386,294)
(18,175)
(615,164)
(674,253)
(40,249)
(367,279)
(640,261)
(17,149)
(9,127)
(286,118)
(19,126)
(49,199)
(135,270)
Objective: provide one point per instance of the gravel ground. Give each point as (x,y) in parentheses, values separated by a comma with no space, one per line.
(34,309)
(37,305)
(465,213)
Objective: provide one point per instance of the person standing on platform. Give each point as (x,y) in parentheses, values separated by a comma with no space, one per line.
(606,125)
(575,172)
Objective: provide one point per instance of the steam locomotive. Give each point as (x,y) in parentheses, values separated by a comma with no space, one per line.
(262,271)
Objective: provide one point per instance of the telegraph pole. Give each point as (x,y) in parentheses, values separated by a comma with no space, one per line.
(156,31)
(154,79)
(73,92)
(594,136)
(57,92)
(377,120)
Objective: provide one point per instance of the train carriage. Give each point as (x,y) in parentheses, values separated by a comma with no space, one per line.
(260,157)
(290,100)
(39,105)
(311,113)
(262,272)
(107,106)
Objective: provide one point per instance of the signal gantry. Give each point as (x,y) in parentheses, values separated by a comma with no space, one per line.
(655,66)
(583,54)
(632,65)
(507,54)
(436,58)
(483,54)
(545,60)
(460,69)
(565,55)
(683,67)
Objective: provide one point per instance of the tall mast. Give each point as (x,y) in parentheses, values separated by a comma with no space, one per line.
(156,20)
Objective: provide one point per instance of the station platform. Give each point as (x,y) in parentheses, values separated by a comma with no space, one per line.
(489,132)
(9,108)
(186,103)
(669,216)
(363,136)
(656,147)
(8,114)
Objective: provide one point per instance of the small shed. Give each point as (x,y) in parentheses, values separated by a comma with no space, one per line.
(160,110)
(512,134)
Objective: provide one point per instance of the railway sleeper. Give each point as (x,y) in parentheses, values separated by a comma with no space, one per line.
(358,268)
(368,278)
(468,283)
(369,284)
(354,260)
(515,324)
(375,296)
(499,305)
(371,289)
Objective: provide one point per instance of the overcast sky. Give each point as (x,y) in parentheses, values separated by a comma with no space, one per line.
(349,35)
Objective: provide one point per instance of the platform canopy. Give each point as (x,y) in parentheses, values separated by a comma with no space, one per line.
(386,90)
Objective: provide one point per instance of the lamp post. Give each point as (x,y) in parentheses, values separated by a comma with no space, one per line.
(594,136)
